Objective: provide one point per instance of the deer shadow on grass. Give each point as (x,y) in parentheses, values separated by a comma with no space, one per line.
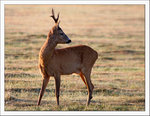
(24,102)
(36,90)
(27,102)
(97,91)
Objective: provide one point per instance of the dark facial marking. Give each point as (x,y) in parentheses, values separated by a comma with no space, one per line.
(61,33)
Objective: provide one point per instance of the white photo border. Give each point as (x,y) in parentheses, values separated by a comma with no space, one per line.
(146,112)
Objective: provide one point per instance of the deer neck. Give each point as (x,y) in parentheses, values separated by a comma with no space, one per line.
(47,50)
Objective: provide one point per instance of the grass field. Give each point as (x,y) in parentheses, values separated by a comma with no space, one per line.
(116,32)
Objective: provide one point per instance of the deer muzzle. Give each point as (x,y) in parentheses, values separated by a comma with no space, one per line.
(69,41)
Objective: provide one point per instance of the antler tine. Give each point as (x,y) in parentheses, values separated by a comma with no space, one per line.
(57,16)
(53,12)
(53,16)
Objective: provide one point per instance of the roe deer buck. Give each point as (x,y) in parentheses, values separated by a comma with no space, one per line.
(56,62)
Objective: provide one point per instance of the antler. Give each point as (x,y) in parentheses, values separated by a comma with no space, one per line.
(53,16)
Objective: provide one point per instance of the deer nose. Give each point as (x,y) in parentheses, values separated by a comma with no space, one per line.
(68,41)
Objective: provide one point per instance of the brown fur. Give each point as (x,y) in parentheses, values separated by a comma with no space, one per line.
(56,62)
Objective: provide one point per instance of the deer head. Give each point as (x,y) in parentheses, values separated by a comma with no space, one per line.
(58,35)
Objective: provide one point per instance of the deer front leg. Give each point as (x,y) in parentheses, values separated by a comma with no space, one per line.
(57,88)
(44,84)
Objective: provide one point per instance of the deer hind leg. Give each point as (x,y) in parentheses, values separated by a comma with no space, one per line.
(83,78)
(57,88)
(90,86)
(44,84)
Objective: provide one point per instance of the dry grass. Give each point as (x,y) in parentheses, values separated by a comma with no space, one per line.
(116,32)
